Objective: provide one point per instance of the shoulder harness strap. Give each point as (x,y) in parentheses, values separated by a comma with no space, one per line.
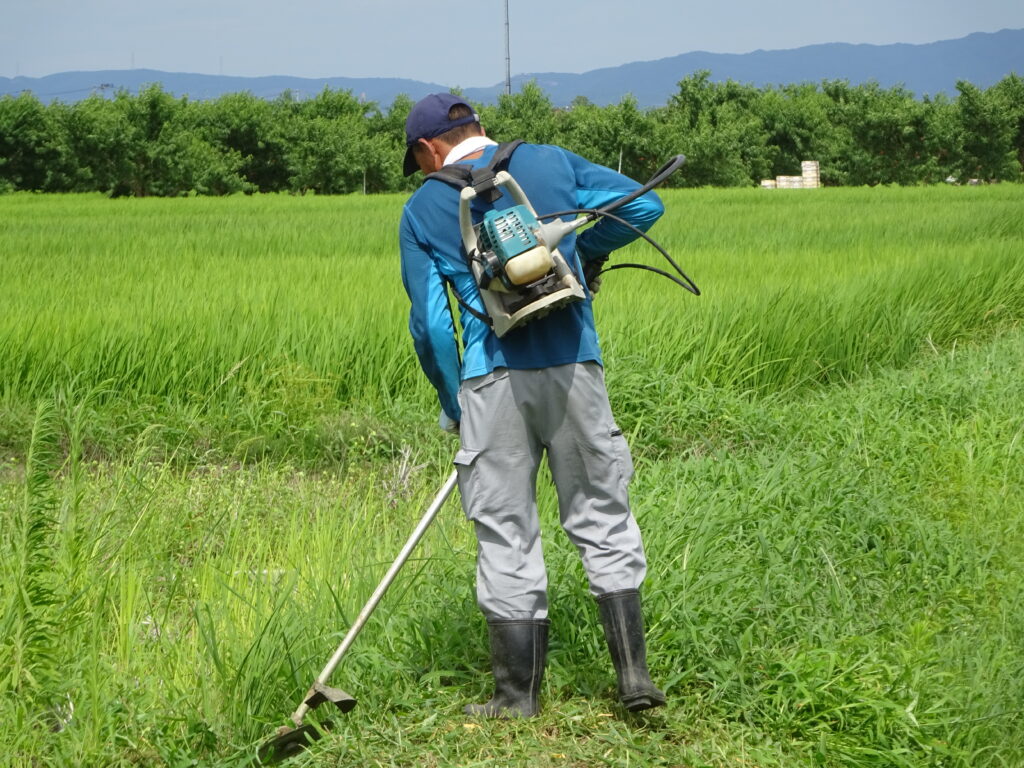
(482,180)
(465,305)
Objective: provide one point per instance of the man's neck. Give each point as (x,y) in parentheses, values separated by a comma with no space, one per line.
(471,146)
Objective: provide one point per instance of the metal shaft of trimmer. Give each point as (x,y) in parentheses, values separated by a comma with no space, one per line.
(410,545)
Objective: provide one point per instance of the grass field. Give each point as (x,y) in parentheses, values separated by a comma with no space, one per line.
(215,437)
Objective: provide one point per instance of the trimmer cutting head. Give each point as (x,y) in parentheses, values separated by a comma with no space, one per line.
(290,741)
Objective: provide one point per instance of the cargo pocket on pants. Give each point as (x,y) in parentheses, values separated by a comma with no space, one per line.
(464,460)
(623,458)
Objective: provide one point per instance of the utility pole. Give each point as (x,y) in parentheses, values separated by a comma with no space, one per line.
(508,59)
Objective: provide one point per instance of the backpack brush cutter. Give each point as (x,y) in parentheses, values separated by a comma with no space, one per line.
(514,258)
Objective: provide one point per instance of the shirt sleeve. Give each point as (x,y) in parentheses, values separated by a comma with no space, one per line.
(430,319)
(598,186)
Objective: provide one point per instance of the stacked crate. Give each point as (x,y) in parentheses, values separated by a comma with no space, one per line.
(809,178)
(811,174)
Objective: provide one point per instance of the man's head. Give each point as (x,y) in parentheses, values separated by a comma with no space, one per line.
(438,122)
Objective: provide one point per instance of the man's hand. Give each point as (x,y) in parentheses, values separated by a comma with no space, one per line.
(592,273)
(448,424)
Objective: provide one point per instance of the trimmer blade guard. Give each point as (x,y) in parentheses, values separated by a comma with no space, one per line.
(320,693)
(288,742)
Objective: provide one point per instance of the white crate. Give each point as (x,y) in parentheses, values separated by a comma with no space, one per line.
(790,182)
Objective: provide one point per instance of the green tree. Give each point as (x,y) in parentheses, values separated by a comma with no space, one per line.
(330,150)
(528,115)
(797,124)
(95,137)
(144,117)
(1007,98)
(886,132)
(941,139)
(387,134)
(166,152)
(183,162)
(620,136)
(247,126)
(717,127)
(733,134)
(30,152)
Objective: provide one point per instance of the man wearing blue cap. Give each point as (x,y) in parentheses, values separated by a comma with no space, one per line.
(538,389)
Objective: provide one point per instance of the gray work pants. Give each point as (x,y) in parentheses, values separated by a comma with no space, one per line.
(509,419)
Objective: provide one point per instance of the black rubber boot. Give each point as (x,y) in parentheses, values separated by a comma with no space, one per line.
(519,649)
(624,630)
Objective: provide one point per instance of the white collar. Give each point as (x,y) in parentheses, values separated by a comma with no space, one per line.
(467,147)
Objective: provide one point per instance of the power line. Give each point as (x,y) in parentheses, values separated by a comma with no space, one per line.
(102,87)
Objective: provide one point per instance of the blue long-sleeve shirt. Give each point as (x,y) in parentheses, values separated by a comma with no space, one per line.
(553,179)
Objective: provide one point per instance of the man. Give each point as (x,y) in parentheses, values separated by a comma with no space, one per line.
(539,388)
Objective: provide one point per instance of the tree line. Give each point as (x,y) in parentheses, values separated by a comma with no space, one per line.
(155,143)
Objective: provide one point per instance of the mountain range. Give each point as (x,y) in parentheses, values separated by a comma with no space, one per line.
(982,58)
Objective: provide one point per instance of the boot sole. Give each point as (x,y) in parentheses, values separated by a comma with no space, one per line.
(497,713)
(640,703)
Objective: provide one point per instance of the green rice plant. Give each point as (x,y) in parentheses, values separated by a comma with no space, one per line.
(31,590)
(825,289)
(253,327)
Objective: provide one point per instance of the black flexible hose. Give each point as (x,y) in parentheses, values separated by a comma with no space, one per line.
(673,165)
(670,167)
(686,282)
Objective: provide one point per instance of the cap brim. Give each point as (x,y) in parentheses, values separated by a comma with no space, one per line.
(410,165)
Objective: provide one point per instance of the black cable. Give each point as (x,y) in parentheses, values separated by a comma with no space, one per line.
(688,286)
(670,167)
(686,282)
(673,165)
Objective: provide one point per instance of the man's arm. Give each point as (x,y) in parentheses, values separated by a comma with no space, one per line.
(598,186)
(430,318)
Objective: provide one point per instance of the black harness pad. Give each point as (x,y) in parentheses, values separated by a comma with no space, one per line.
(481,179)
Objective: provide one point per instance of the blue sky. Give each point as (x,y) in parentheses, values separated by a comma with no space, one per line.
(447,42)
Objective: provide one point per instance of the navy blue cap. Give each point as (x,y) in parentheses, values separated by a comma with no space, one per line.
(429,119)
